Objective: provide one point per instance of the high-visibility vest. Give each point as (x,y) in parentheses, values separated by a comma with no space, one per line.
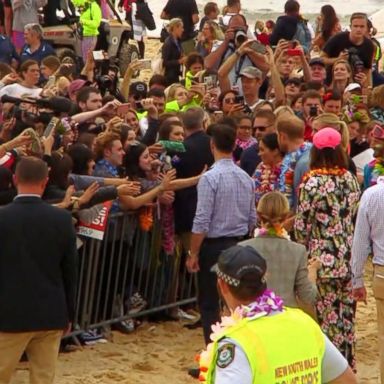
(285,348)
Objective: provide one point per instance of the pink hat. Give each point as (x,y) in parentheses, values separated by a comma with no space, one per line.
(76,85)
(326,138)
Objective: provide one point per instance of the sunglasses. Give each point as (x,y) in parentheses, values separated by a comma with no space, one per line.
(261,128)
(378,132)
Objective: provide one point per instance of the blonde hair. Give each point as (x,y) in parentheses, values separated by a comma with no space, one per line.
(347,65)
(105,140)
(174,23)
(273,208)
(377,97)
(283,110)
(171,91)
(332,121)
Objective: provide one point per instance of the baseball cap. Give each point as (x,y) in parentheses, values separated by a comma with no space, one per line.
(317,61)
(352,87)
(138,89)
(251,73)
(76,85)
(241,265)
(326,138)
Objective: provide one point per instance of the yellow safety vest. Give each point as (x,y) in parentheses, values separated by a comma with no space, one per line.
(285,348)
(173,106)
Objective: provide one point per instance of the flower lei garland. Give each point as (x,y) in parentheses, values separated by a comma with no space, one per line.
(377,171)
(264,305)
(275,231)
(244,144)
(265,178)
(285,182)
(336,171)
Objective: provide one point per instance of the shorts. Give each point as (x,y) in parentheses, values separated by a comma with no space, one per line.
(18,39)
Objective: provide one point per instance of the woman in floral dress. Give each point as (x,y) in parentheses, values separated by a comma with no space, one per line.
(267,172)
(328,201)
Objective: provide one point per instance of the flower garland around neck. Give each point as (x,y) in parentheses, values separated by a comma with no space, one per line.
(264,305)
(336,171)
(245,144)
(265,178)
(378,170)
(274,231)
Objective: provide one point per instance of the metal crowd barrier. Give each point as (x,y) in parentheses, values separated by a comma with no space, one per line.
(127,261)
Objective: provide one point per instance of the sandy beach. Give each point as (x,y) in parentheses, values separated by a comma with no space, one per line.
(160,353)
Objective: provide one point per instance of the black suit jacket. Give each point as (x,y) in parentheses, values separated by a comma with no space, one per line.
(192,161)
(171,55)
(37,266)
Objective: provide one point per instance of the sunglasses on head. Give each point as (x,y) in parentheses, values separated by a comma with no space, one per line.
(378,132)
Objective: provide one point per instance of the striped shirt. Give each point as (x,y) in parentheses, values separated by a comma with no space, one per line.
(225,202)
(369,232)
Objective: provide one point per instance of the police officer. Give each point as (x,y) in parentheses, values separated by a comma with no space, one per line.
(264,342)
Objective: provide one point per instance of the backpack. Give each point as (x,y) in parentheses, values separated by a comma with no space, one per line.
(303,35)
(144,14)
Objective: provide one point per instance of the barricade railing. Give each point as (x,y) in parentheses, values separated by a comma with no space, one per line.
(127,264)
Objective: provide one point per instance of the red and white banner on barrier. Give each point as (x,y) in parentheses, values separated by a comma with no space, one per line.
(96,228)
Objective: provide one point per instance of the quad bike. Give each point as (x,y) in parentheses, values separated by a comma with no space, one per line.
(114,38)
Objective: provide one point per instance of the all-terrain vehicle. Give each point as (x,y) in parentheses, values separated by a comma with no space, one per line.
(114,38)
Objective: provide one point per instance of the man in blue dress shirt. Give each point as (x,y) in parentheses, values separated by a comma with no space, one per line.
(225,214)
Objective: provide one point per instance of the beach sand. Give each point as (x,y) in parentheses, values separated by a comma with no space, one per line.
(161,353)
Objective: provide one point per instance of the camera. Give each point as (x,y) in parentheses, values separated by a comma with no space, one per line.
(239,99)
(240,36)
(104,83)
(355,61)
(313,111)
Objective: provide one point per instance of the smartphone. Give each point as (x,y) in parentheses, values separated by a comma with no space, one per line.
(210,81)
(258,47)
(145,64)
(313,111)
(123,109)
(293,52)
(292,44)
(239,99)
(98,55)
(51,125)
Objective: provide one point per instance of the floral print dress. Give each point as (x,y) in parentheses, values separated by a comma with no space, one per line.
(325,224)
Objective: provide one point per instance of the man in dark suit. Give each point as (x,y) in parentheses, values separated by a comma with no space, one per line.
(37,276)
(197,155)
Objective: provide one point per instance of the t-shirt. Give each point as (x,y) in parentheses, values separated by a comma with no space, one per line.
(337,43)
(43,51)
(18,90)
(183,9)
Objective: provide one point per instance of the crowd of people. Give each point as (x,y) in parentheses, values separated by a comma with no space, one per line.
(269,137)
